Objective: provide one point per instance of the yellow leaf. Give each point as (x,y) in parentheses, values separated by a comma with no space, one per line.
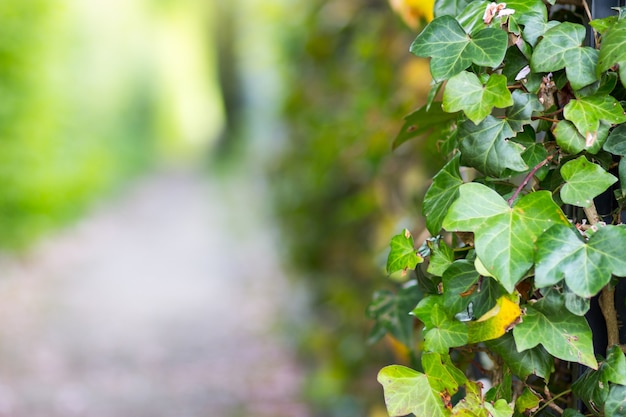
(413,12)
(497,321)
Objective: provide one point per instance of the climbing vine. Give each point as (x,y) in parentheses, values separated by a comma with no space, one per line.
(527,108)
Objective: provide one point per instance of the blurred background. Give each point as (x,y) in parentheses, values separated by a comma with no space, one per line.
(196,200)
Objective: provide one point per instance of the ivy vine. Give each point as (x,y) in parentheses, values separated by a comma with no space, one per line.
(529,112)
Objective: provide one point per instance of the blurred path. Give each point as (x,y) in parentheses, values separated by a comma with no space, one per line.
(160,305)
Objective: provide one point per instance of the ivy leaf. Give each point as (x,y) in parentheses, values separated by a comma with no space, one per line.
(533,361)
(571,141)
(561,333)
(450,7)
(462,288)
(499,409)
(586,267)
(527,402)
(486,147)
(452,50)
(445,333)
(496,322)
(593,385)
(464,91)
(408,391)
(403,255)
(441,258)
(584,181)
(473,404)
(536,29)
(425,308)
(603,24)
(616,142)
(587,112)
(615,405)
(441,372)
(561,48)
(524,104)
(391,313)
(471,17)
(526,12)
(504,236)
(442,192)
(459,281)
(574,303)
(422,122)
(613,48)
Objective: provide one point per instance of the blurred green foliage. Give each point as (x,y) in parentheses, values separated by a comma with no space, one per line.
(58,146)
(91,95)
(350,82)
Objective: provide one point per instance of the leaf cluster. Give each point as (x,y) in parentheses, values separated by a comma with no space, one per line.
(535,127)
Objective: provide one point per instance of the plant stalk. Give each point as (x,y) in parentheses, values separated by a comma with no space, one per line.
(527,179)
(607,296)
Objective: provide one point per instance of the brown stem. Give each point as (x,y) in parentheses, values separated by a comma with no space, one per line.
(607,305)
(607,296)
(527,179)
(544,118)
(592,214)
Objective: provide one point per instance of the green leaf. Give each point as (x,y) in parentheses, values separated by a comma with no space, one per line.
(451,50)
(561,48)
(403,255)
(462,287)
(586,267)
(408,391)
(422,122)
(533,361)
(604,24)
(527,12)
(458,280)
(562,333)
(527,402)
(391,312)
(613,48)
(441,372)
(584,181)
(450,7)
(464,91)
(473,404)
(425,308)
(445,333)
(486,147)
(614,367)
(587,112)
(615,405)
(571,141)
(536,29)
(616,142)
(524,104)
(471,17)
(576,304)
(499,409)
(441,258)
(442,193)
(504,236)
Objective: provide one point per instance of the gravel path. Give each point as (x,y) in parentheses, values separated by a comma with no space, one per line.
(163,303)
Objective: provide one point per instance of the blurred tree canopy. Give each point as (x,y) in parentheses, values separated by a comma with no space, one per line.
(350,81)
(91,95)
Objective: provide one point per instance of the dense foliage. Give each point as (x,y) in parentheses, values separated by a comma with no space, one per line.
(522,240)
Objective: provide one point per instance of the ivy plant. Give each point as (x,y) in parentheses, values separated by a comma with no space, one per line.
(532,105)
